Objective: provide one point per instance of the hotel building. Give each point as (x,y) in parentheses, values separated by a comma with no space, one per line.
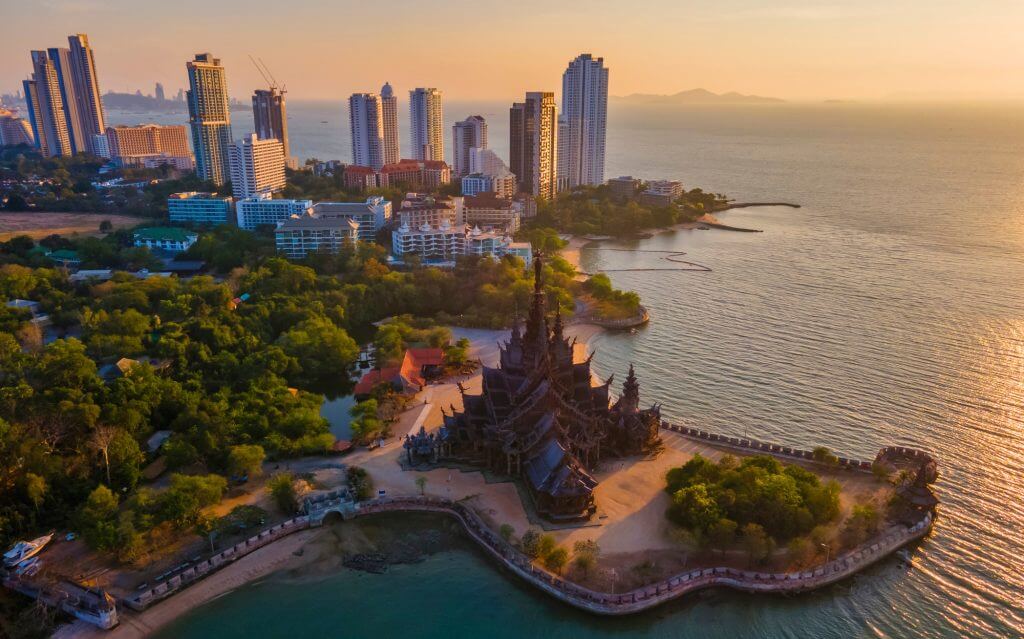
(415,174)
(148,145)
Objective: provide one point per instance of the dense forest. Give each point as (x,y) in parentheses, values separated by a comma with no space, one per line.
(215,373)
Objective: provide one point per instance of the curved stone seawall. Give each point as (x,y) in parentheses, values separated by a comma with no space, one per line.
(566,591)
(569,592)
(749,446)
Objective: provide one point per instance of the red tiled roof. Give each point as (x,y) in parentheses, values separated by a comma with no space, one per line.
(355,168)
(414,361)
(374,377)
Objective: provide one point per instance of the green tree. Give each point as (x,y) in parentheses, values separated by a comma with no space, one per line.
(757,543)
(323,350)
(246,459)
(35,489)
(722,534)
(531,543)
(282,489)
(365,423)
(506,531)
(97,518)
(556,559)
(585,554)
(421,483)
(360,483)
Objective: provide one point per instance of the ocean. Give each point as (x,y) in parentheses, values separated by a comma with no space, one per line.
(889,309)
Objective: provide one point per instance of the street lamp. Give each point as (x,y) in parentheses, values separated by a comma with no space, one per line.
(828,551)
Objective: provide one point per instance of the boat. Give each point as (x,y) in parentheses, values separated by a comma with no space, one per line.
(26,549)
(27,567)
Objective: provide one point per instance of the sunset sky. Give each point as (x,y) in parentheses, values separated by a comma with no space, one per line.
(327,49)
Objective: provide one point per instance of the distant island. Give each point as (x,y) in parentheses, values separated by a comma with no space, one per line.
(695,96)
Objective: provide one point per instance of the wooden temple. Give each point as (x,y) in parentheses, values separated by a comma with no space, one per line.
(540,418)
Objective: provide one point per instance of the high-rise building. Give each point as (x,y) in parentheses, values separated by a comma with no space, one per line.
(533,144)
(158,92)
(257,166)
(270,116)
(426,121)
(584,109)
(87,87)
(209,117)
(61,59)
(13,130)
(468,134)
(46,108)
(389,108)
(366,116)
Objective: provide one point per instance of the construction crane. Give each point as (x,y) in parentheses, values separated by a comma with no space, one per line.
(268,77)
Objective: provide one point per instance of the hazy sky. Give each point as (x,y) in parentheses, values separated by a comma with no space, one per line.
(859,49)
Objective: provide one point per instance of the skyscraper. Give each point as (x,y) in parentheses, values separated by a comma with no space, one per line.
(271,116)
(470,133)
(46,108)
(366,116)
(389,107)
(209,117)
(584,110)
(426,120)
(158,93)
(533,144)
(61,59)
(91,117)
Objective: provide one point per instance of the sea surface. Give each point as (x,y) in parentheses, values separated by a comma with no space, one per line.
(889,309)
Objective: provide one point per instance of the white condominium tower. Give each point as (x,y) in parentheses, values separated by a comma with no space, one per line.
(426,121)
(209,117)
(471,133)
(257,166)
(533,144)
(584,120)
(366,115)
(389,107)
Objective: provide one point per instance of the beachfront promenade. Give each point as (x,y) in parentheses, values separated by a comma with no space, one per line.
(646,597)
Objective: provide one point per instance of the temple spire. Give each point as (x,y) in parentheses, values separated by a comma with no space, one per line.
(630,402)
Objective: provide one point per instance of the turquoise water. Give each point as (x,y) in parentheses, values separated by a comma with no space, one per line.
(888,310)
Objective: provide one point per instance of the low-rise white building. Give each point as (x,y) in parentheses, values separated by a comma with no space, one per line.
(200,208)
(371,215)
(263,210)
(166,239)
(441,243)
(301,235)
